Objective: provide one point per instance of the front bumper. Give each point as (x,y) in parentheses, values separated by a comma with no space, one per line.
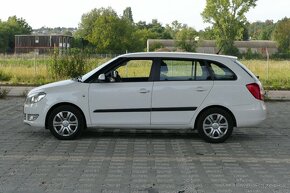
(34,114)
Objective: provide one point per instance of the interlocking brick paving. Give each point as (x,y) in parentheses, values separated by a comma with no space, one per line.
(144,161)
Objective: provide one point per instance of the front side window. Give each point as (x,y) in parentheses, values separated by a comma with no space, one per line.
(183,70)
(221,72)
(131,71)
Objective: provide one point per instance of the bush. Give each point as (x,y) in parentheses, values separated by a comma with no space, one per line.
(4,77)
(155,46)
(281,56)
(232,50)
(249,55)
(70,64)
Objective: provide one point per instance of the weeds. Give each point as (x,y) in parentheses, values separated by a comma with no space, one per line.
(71,64)
(4,76)
(24,93)
(4,92)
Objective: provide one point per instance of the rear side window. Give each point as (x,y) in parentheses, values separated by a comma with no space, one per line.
(183,70)
(221,72)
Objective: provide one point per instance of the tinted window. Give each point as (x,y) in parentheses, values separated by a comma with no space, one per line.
(181,70)
(221,72)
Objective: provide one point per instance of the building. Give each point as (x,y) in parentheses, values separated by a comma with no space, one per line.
(262,47)
(41,44)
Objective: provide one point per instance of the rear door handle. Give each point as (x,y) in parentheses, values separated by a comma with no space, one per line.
(144,90)
(200,89)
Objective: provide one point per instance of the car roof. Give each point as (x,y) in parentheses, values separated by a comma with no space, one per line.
(187,55)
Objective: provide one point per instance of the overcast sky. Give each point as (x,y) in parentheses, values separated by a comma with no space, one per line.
(67,13)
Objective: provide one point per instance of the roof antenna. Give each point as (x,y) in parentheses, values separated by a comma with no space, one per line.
(220,50)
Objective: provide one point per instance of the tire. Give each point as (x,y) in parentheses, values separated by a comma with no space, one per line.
(66,122)
(215,125)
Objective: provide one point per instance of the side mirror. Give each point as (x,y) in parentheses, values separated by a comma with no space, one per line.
(102,77)
(115,74)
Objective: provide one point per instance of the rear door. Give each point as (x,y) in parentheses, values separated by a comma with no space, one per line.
(181,88)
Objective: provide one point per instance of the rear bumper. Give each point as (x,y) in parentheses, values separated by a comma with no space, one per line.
(250,115)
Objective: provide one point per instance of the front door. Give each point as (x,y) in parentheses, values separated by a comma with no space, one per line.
(124,98)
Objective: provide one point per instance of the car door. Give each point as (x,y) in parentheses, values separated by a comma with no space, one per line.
(124,97)
(182,87)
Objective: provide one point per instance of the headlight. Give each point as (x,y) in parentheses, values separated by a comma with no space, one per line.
(35,98)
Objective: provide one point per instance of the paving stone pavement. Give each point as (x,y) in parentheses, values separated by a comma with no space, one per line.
(148,161)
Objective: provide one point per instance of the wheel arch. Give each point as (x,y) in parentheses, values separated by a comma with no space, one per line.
(215,106)
(62,104)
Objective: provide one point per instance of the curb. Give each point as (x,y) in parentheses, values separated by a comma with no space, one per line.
(17,91)
(280,95)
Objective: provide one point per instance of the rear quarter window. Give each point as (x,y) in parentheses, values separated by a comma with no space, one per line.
(221,72)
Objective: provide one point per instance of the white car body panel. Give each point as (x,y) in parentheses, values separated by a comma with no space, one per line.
(67,91)
(177,94)
(123,97)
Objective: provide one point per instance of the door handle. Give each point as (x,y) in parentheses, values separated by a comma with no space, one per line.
(144,90)
(200,89)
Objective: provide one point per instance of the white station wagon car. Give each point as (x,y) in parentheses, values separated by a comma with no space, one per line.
(210,93)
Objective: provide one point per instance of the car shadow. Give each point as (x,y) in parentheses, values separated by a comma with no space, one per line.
(139,134)
(188,134)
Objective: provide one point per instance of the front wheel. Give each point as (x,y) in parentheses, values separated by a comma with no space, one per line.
(66,122)
(215,125)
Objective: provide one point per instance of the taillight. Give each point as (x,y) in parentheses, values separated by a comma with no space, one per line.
(256,91)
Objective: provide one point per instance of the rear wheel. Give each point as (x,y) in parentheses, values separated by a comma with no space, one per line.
(215,125)
(66,122)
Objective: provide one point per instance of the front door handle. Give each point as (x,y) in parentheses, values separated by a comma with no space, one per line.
(200,89)
(144,90)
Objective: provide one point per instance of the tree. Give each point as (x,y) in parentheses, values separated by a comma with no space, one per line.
(186,39)
(106,31)
(19,25)
(174,27)
(87,22)
(159,31)
(142,35)
(8,29)
(228,20)
(207,34)
(128,15)
(282,34)
(261,30)
(3,37)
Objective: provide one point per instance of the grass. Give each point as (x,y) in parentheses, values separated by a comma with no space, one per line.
(33,70)
(274,75)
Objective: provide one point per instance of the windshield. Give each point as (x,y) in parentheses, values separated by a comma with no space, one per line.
(89,74)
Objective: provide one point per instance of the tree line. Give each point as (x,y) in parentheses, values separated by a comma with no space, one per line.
(102,30)
(8,29)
